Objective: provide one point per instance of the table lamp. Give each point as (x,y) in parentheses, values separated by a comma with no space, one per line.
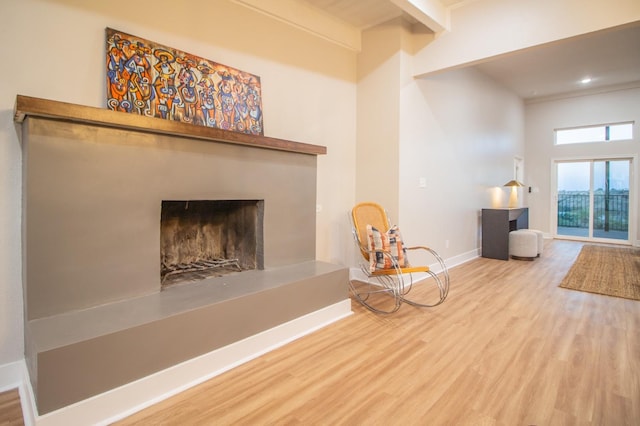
(513,197)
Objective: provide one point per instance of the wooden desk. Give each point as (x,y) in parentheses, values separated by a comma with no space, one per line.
(496,225)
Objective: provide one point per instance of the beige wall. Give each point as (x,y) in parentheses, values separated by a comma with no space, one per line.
(377,164)
(543,117)
(57,52)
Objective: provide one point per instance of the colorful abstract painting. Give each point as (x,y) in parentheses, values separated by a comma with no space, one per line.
(149,79)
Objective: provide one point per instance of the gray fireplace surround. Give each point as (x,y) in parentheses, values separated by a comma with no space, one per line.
(96,317)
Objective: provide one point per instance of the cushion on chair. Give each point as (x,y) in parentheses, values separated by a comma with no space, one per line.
(391,242)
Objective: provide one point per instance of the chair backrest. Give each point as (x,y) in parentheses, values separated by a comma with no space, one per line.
(364,214)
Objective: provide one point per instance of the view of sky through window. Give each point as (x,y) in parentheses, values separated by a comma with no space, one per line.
(574,176)
(600,133)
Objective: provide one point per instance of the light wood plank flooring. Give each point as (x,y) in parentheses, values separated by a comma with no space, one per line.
(508,347)
(10,409)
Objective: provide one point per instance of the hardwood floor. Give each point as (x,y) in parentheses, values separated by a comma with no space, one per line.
(10,409)
(508,347)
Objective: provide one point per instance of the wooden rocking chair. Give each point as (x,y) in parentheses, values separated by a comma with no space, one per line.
(388,276)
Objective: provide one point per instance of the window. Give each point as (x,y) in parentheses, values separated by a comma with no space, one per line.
(599,133)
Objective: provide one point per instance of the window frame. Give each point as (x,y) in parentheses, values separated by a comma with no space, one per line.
(607,133)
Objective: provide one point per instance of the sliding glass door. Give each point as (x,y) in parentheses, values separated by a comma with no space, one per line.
(593,199)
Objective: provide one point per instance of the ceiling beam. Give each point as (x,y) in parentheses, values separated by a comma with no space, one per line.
(313,20)
(431,13)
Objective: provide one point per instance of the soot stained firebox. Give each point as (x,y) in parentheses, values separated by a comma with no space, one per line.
(205,238)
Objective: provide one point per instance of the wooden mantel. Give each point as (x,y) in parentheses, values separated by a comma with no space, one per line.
(36,107)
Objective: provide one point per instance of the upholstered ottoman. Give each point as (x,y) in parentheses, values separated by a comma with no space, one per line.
(540,235)
(523,244)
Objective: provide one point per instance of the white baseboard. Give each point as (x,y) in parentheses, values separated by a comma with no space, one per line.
(462,258)
(14,375)
(11,375)
(126,400)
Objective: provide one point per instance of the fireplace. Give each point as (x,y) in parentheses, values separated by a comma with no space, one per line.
(98,187)
(209,238)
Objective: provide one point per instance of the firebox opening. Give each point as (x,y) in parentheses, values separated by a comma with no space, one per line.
(206,238)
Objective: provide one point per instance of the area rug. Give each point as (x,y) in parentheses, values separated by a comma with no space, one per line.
(613,271)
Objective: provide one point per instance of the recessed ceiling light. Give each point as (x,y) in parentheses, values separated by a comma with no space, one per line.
(586,80)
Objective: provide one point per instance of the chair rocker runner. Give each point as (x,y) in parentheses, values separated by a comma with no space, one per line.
(388,276)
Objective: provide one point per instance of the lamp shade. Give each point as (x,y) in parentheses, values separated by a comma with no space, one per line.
(513,183)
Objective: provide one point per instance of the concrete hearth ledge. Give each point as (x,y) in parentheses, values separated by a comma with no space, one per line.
(116,404)
(73,327)
(84,353)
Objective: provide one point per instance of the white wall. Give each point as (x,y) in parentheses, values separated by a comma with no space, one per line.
(541,120)
(461,132)
(377,166)
(488,28)
(55,49)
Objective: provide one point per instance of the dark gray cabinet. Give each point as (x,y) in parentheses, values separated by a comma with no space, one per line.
(496,225)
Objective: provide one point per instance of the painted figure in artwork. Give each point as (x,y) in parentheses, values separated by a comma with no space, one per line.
(148,79)
(187,88)
(138,68)
(255,114)
(226,101)
(164,84)
(117,85)
(207,95)
(254,105)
